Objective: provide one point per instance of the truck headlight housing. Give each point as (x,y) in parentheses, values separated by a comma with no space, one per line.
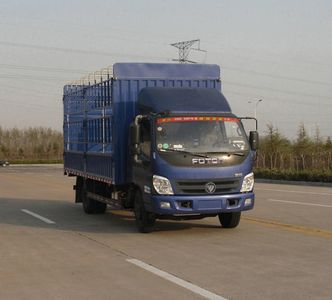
(248,183)
(162,185)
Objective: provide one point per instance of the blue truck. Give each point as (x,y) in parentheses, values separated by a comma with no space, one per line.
(161,140)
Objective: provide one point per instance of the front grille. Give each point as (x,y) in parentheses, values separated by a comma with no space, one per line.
(223,186)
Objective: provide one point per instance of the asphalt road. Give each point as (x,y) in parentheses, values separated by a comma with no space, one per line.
(281,250)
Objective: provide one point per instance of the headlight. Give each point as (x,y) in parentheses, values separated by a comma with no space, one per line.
(162,185)
(248,183)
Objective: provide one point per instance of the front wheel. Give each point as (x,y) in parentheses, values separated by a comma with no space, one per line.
(229,220)
(144,220)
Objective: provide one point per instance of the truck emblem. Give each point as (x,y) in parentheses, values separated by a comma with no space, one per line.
(206,161)
(210,187)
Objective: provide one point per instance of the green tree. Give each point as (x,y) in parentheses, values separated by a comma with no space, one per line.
(328,153)
(273,149)
(302,147)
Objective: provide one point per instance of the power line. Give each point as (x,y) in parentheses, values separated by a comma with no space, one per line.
(42,68)
(62,80)
(276,56)
(32,77)
(273,99)
(29,105)
(183,55)
(80,71)
(278,76)
(26,90)
(77,51)
(277,90)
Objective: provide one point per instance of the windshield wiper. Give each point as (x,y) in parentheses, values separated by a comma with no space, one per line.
(229,153)
(186,152)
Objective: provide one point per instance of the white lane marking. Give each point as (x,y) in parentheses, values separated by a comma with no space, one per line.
(185,284)
(48,221)
(297,192)
(299,203)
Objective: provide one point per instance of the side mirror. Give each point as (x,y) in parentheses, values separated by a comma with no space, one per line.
(254,140)
(135,133)
(135,139)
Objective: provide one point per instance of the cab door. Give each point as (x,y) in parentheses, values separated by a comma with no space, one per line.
(142,170)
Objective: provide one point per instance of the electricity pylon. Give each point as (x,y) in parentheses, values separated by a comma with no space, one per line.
(184,50)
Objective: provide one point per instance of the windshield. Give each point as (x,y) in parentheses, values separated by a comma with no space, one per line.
(201,135)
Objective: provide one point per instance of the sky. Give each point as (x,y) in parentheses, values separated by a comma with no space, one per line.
(277,51)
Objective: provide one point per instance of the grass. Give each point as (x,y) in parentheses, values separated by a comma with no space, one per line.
(35,161)
(294,175)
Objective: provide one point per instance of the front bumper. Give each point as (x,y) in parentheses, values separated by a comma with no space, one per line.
(203,204)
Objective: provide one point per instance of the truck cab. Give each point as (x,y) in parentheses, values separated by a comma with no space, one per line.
(190,157)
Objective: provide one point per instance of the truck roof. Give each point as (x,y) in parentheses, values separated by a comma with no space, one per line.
(182,100)
(165,71)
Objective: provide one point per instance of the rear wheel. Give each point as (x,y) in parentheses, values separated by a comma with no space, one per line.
(229,220)
(79,191)
(100,207)
(144,220)
(91,206)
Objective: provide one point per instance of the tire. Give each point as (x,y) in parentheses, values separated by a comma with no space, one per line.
(144,220)
(229,220)
(79,191)
(100,207)
(91,206)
